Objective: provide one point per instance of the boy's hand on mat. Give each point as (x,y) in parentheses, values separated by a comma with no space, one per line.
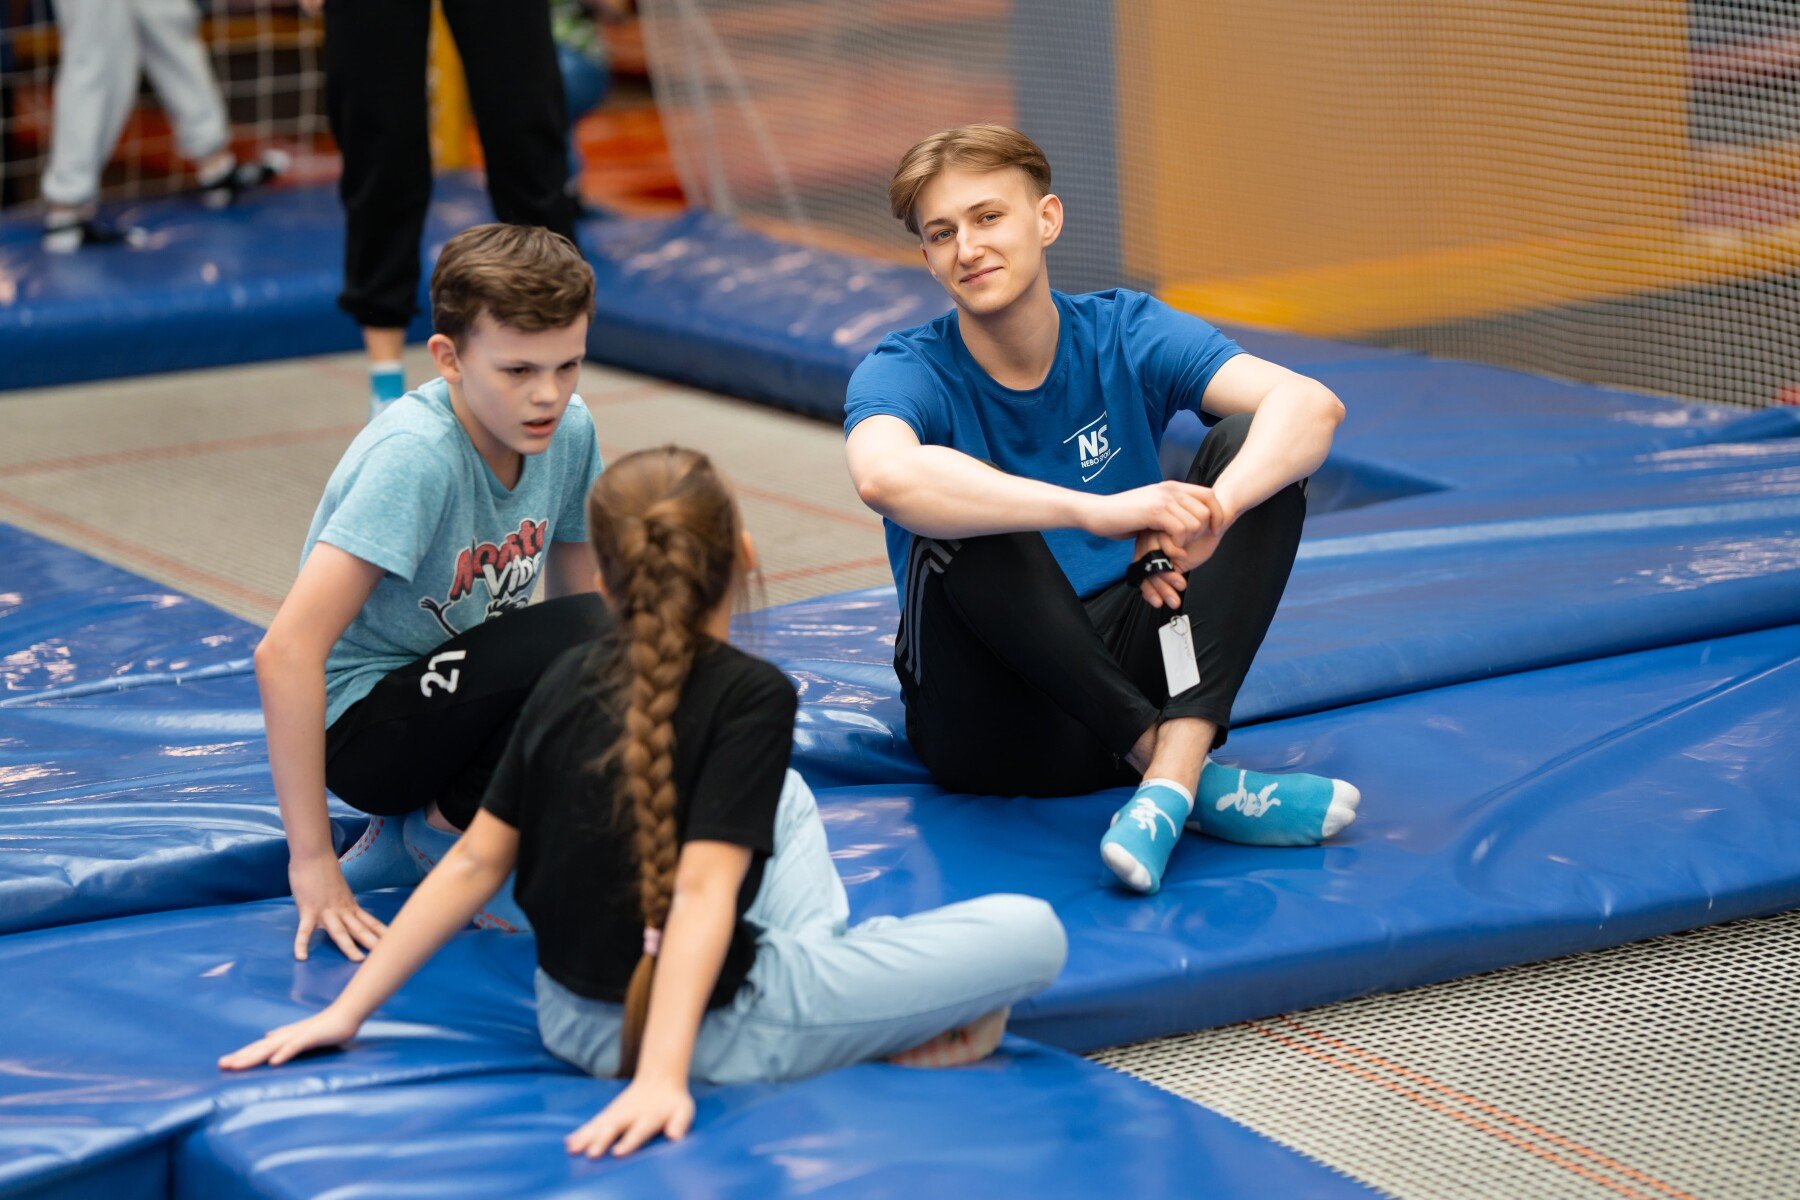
(1183,511)
(326,902)
(328,1028)
(636,1115)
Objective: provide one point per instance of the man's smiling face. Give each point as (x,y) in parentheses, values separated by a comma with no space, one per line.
(984,234)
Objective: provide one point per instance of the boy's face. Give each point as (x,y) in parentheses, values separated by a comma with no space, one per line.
(984,234)
(516,384)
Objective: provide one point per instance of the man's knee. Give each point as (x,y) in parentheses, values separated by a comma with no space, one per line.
(1221,445)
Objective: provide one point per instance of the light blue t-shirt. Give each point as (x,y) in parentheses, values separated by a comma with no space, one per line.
(1125,364)
(414,497)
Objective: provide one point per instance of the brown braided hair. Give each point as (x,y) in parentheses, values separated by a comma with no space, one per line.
(666,534)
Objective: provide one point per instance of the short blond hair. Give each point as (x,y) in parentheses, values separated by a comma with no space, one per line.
(523,276)
(980,147)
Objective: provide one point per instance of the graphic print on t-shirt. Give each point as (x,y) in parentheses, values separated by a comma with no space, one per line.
(509,570)
(1093,448)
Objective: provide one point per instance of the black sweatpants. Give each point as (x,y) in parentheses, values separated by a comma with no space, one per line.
(1014,685)
(435,728)
(375,59)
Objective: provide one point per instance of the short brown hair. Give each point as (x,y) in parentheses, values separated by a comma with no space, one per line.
(523,276)
(981,147)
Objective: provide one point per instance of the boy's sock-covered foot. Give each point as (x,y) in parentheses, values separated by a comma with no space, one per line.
(960,1046)
(426,844)
(1272,810)
(379,858)
(1144,833)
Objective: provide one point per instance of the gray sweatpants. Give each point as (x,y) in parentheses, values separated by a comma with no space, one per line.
(105,45)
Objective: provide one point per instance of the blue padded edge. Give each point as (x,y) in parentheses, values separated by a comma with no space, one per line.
(114,1028)
(151,798)
(1504,821)
(71,624)
(1028,1122)
(707,302)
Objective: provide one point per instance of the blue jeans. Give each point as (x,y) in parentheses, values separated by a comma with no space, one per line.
(821,995)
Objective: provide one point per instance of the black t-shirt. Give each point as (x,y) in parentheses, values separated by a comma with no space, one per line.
(577,881)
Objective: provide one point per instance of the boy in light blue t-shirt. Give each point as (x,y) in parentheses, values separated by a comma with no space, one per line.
(394,669)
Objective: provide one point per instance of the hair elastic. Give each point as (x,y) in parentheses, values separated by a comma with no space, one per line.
(652,941)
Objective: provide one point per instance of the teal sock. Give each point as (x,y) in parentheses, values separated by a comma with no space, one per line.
(1272,810)
(427,845)
(1144,833)
(387,383)
(379,859)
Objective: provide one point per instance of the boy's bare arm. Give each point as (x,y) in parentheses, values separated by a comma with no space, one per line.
(331,589)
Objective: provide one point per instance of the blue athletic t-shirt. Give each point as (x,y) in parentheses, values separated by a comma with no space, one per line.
(1125,364)
(414,497)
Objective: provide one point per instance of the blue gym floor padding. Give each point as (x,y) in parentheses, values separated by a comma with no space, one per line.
(1030,1122)
(114,1028)
(1503,821)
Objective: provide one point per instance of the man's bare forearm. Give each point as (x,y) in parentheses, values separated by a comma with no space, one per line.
(938,492)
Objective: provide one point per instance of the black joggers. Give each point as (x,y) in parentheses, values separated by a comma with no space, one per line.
(435,728)
(375,58)
(1014,685)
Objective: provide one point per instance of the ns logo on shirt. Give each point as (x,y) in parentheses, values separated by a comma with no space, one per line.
(1092,447)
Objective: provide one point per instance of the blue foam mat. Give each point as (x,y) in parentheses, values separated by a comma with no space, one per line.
(1028,1122)
(1503,821)
(114,1028)
(108,1068)
(71,624)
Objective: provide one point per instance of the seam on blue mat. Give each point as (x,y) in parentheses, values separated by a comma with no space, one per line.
(125,683)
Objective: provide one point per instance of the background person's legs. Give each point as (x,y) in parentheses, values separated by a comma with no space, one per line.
(516,94)
(375,53)
(181,72)
(96,85)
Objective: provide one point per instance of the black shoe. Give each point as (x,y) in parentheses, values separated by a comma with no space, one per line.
(67,234)
(235,180)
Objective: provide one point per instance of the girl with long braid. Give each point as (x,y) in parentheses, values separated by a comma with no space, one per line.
(689,921)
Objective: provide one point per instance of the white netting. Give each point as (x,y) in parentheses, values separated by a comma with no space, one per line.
(264,53)
(1664,1070)
(1595,189)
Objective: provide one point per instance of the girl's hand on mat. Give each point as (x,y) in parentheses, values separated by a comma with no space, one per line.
(1184,511)
(326,902)
(328,1028)
(636,1115)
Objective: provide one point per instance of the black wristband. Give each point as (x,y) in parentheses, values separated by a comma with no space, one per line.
(1153,563)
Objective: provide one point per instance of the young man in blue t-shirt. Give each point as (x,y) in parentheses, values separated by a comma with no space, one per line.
(1069,621)
(396,666)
